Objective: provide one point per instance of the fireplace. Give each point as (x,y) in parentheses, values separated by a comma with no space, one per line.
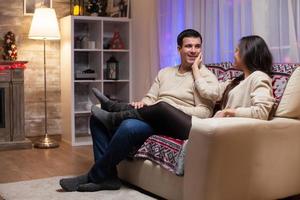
(2,106)
(12,131)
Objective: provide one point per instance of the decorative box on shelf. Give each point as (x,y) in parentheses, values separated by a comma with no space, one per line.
(85,75)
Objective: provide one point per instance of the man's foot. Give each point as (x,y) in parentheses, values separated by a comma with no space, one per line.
(110,105)
(71,184)
(110,184)
(105,102)
(103,116)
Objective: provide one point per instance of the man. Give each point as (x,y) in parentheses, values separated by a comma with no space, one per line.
(175,86)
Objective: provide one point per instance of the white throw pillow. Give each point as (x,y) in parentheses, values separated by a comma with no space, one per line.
(289,105)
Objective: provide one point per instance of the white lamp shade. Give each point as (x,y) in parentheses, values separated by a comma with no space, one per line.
(44,25)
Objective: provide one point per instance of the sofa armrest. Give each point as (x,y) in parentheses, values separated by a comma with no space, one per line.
(241,158)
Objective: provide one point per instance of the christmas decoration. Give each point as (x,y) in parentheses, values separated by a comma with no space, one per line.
(112,69)
(93,7)
(97,7)
(103,7)
(1,48)
(116,41)
(9,47)
(76,8)
(123,8)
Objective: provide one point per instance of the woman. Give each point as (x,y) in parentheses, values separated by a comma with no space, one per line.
(249,95)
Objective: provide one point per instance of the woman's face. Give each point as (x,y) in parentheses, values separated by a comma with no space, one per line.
(238,62)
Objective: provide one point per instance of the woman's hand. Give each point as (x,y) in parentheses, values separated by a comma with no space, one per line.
(225,113)
(195,66)
(137,105)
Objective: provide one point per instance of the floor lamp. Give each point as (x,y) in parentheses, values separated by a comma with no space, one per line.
(44,27)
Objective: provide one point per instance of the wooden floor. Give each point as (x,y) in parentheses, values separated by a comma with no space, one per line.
(19,165)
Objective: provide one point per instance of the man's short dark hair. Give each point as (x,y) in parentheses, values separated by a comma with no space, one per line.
(188,33)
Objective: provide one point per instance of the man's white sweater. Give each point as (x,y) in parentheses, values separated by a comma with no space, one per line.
(179,91)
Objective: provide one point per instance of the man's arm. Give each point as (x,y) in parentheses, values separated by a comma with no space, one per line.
(206,82)
(152,95)
(209,87)
(150,98)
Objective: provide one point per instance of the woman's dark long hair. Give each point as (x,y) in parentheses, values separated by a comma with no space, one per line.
(256,55)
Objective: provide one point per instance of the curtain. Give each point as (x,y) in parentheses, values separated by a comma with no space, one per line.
(220,22)
(278,22)
(170,24)
(223,22)
(145,55)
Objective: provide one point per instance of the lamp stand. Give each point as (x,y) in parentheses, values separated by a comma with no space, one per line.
(45,142)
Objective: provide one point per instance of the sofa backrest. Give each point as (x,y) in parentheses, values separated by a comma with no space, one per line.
(289,106)
(224,71)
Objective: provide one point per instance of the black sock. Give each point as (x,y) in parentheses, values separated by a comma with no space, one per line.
(110,184)
(71,184)
(105,102)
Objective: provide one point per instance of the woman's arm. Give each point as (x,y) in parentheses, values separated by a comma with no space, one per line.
(261,101)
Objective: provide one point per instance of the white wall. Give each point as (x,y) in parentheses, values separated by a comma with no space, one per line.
(145,46)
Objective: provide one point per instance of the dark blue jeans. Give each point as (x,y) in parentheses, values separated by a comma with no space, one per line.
(110,150)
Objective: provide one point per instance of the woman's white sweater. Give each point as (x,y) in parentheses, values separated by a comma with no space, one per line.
(252,98)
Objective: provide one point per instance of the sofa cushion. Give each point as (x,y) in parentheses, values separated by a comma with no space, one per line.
(162,150)
(289,105)
(280,76)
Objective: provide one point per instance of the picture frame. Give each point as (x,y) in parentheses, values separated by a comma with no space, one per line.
(118,8)
(30,5)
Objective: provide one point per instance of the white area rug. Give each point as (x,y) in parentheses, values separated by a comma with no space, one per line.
(49,189)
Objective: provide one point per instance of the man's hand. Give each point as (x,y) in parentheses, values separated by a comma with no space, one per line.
(195,66)
(198,61)
(137,105)
(225,113)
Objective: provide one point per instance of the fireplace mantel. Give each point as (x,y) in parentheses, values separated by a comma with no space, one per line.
(5,65)
(12,131)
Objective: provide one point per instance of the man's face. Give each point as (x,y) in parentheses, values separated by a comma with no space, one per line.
(190,49)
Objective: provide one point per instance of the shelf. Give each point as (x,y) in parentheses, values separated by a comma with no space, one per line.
(83,67)
(87,81)
(96,18)
(104,50)
(82,113)
(115,50)
(87,50)
(114,81)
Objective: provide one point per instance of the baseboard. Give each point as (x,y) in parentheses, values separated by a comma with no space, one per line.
(13,145)
(56,137)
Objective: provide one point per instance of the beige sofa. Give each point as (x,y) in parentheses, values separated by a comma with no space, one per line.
(233,158)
